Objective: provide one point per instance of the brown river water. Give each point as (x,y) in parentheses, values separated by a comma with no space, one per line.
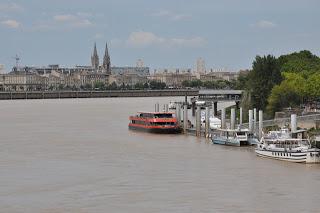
(77,155)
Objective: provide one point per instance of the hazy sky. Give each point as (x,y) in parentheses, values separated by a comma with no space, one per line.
(164,33)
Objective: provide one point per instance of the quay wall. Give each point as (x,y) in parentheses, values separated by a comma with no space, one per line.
(95,94)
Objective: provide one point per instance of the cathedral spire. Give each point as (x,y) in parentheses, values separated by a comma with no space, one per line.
(106,61)
(95,58)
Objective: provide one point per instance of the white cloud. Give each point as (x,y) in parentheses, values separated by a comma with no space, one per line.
(11,23)
(161,13)
(142,39)
(265,24)
(64,18)
(179,17)
(170,15)
(98,36)
(70,20)
(10,7)
(145,39)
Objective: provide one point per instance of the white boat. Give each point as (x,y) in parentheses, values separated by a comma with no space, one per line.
(172,105)
(234,137)
(281,145)
(214,122)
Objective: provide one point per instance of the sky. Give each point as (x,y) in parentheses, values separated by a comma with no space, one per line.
(164,34)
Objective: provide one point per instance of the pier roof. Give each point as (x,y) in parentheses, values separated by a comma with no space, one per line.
(220,92)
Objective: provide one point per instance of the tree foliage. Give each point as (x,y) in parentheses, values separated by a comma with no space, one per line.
(301,62)
(264,76)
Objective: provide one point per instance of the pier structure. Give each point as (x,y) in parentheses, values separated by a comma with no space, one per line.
(215,96)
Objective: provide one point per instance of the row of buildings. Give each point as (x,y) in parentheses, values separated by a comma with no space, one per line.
(55,77)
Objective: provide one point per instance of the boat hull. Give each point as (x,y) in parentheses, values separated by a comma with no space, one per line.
(158,130)
(224,141)
(310,156)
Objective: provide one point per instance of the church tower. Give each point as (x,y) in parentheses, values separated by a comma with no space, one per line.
(106,61)
(95,58)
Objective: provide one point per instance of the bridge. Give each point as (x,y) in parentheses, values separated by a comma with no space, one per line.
(220,95)
(96,94)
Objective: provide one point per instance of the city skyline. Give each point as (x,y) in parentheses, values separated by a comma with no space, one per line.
(163,34)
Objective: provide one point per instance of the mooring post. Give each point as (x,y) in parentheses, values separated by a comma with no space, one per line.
(254,120)
(223,118)
(293,123)
(198,121)
(251,120)
(177,114)
(193,107)
(207,121)
(240,119)
(215,108)
(185,118)
(233,118)
(260,123)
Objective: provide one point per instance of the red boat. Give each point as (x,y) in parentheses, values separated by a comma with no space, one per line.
(155,122)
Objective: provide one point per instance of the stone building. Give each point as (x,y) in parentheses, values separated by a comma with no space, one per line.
(214,76)
(172,79)
(22,81)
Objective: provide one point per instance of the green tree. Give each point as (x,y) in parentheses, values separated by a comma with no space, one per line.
(264,76)
(290,93)
(313,86)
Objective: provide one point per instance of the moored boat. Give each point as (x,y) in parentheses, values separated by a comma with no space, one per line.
(281,145)
(234,137)
(155,122)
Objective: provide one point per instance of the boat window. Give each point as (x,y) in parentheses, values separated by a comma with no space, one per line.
(164,115)
(241,133)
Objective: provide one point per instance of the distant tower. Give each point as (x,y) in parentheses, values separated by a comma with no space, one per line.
(139,63)
(201,66)
(95,58)
(106,61)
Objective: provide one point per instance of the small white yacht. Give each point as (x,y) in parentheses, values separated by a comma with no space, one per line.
(214,122)
(282,145)
(234,137)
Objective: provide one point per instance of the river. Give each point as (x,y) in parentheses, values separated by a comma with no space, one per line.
(77,155)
